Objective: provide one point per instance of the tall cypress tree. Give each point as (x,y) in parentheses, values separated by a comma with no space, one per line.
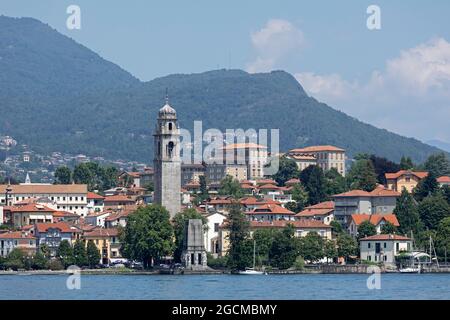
(407,214)
(241,248)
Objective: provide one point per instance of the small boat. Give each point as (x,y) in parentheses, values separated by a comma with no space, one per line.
(252,271)
(410,270)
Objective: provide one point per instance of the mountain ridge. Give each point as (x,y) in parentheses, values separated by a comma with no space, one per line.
(102,110)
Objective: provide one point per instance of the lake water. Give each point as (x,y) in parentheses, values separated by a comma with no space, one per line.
(223,287)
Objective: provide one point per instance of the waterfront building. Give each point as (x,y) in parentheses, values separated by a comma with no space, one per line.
(107,242)
(404,179)
(51,235)
(30,214)
(384,248)
(22,240)
(167,163)
(214,220)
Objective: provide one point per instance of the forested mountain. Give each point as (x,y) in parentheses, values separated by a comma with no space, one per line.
(57,95)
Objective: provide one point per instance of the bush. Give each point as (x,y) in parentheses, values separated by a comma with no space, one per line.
(217,263)
(55,265)
(299,263)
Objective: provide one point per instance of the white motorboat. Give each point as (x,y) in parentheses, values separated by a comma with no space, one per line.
(410,270)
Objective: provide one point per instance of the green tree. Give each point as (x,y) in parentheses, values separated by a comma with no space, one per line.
(443,238)
(240,253)
(314,181)
(446,193)
(366,229)
(284,249)
(231,187)
(65,253)
(405,164)
(15,260)
(39,262)
(300,196)
(203,188)
(264,239)
(388,228)
(336,228)
(63,175)
(93,254)
(83,175)
(433,209)
(335,183)
(347,246)
(407,214)
(311,247)
(79,253)
(362,175)
(427,186)
(437,165)
(330,250)
(179,227)
(286,171)
(148,235)
(383,166)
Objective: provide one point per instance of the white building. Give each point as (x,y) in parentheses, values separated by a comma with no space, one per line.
(17,239)
(95,202)
(384,248)
(70,197)
(97,218)
(212,234)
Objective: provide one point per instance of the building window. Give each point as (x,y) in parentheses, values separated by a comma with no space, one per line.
(216,227)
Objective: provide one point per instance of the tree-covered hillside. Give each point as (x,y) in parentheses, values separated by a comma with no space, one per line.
(56,95)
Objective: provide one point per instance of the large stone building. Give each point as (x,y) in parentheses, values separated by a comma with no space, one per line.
(252,155)
(404,179)
(167,162)
(326,157)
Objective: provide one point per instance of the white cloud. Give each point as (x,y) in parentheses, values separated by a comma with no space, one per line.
(277,39)
(410,96)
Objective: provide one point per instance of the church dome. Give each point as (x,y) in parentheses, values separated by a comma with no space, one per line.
(167,109)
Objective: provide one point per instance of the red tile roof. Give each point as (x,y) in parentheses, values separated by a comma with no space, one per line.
(268,187)
(292,181)
(313,224)
(377,192)
(316,149)
(266,181)
(270,209)
(61,214)
(249,201)
(100,233)
(385,237)
(419,174)
(322,205)
(375,219)
(353,193)
(443,179)
(92,195)
(118,198)
(314,212)
(64,227)
(33,207)
(15,235)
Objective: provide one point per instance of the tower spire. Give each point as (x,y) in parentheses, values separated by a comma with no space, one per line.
(167,95)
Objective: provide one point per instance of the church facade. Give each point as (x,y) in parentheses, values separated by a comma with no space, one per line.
(167,162)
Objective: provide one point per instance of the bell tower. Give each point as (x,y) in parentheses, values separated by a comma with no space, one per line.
(167,162)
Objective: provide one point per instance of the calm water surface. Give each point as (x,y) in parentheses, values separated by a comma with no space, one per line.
(222,287)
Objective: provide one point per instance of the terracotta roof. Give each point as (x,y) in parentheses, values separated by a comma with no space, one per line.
(266,181)
(322,205)
(100,232)
(314,212)
(419,174)
(385,237)
(381,191)
(219,201)
(316,149)
(118,198)
(32,207)
(64,227)
(270,209)
(443,179)
(247,186)
(243,146)
(60,214)
(354,193)
(118,215)
(255,201)
(15,235)
(92,195)
(45,188)
(269,187)
(292,181)
(313,224)
(97,214)
(375,219)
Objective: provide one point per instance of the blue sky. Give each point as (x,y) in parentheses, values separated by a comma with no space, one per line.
(396,78)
